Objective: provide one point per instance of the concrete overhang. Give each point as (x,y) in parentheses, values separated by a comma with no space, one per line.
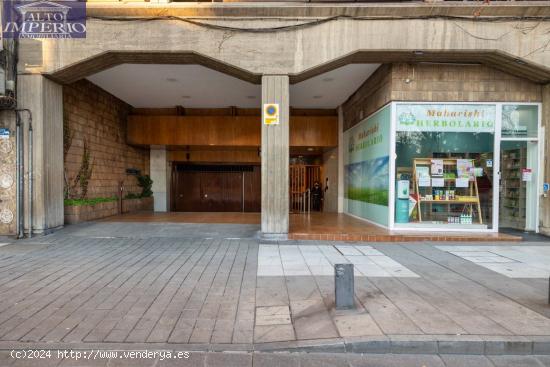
(449,9)
(495,59)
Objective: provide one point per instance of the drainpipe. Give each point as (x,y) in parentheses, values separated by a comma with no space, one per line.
(31,178)
(20,177)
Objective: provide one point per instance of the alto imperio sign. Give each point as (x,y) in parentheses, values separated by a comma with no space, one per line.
(446,117)
(43,19)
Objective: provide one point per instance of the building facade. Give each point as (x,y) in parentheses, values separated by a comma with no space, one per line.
(418,116)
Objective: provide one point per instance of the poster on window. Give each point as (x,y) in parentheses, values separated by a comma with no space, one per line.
(366,167)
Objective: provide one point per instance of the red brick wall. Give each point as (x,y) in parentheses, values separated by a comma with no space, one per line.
(100,118)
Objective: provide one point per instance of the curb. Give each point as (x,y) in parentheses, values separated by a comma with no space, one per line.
(396,344)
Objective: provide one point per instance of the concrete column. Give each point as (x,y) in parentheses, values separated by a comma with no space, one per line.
(44,99)
(340,159)
(275,159)
(544,215)
(158,169)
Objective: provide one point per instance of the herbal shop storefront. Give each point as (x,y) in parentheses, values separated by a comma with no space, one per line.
(445,166)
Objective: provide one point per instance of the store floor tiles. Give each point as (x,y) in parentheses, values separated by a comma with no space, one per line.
(316,226)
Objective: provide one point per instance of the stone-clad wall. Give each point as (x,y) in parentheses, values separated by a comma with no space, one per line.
(436,83)
(7,176)
(459,83)
(371,95)
(545,201)
(100,118)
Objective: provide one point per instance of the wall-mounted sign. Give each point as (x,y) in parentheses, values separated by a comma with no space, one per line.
(4,133)
(271,114)
(446,117)
(545,187)
(526,174)
(133,171)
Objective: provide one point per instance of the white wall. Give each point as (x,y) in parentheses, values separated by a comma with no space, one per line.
(158,169)
(330,171)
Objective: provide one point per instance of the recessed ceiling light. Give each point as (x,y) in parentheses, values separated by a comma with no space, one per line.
(251,97)
(310,149)
(418,52)
(317,97)
(328,79)
(171,80)
(186,97)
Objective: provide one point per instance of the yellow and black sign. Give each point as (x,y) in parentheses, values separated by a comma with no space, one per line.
(271,114)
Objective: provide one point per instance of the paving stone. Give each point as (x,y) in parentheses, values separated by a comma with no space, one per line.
(359,324)
(276,360)
(84,363)
(196,359)
(311,320)
(137,287)
(48,362)
(6,359)
(516,361)
(545,360)
(273,333)
(395,360)
(457,360)
(228,360)
(323,360)
(276,315)
(133,362)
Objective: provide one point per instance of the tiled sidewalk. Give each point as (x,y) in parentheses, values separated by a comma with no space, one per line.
(120,283)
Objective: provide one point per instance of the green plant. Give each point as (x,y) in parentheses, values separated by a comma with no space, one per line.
(68,135)
(145,182)
(132,195)
(82,179)
(79,202)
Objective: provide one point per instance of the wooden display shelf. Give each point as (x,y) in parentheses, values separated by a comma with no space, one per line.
(473,201)
(472,189)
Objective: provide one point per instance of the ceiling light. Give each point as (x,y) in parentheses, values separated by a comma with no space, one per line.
(418,52)
(521,62)
(310,149)
(171,80)
(317,97)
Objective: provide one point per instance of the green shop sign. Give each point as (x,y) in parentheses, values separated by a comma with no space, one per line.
(446,117)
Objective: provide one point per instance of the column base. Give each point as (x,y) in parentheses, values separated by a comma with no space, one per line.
(273,236)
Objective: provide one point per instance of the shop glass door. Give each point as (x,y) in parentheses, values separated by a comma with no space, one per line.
(519,166)
(518,184)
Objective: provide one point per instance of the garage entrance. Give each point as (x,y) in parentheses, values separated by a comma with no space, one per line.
(216,188)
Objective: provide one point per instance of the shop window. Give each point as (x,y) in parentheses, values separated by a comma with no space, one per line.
(444,165)
(519,121)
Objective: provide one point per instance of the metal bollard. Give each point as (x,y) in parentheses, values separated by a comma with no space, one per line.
(344,287)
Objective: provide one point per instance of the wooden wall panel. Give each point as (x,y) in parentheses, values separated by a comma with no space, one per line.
(231,131)
(317,131)
(217,156)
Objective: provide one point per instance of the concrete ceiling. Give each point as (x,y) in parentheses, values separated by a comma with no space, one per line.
(196,86)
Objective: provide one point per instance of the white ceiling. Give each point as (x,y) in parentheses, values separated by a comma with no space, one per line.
(195,86)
